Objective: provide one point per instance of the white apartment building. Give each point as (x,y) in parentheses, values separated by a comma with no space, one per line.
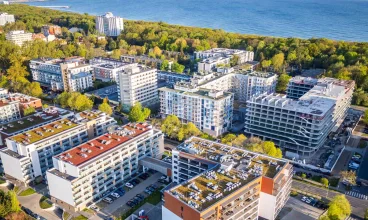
(210,64)
(243,55)
(244,84)
(56,73)
(300,126)
(80,81)
(107,69)
(210,110)
(18,37)
(299,85)
(109,24)
(9,110)
(83,174)
(145,60)
(212,176)
(6,18)
(28,155)
(137,83)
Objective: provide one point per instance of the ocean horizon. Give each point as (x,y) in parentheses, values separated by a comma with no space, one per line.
(334,19)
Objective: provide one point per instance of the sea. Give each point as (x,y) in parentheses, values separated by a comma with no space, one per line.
(334,19)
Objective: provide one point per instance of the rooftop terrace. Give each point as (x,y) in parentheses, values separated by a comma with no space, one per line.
(236,158)
(44,132)
(93,148)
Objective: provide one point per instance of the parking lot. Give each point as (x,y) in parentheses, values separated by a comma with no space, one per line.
(296,204)
(127,197)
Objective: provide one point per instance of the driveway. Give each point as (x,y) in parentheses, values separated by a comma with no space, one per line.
(32,202)
(303,207)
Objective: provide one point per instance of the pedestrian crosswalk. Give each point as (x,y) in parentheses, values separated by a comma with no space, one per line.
(350,218)
(357,195)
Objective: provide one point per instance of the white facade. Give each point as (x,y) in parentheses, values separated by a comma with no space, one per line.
(6,18)
(9,110)
(210,110)
(34,149)
(90,170)
(18,37)
(243,55)
(80,81)
(109,24)
(210,64)
(137,84)
(300,126)
(106,69)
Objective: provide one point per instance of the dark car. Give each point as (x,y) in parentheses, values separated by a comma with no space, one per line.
(140,196)
(27,210)
(130,204)
(135,181)
(149,192)
(142,177)
(138,199)
(153,186)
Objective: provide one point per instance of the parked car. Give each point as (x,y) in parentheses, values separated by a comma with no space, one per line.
(130,204)
(140,196)
(121,192)
(129,185)
(163,177)
(115,195)
(138,199)
(135,181)
(149,192)
(108,200)
(153,186)
(94,207)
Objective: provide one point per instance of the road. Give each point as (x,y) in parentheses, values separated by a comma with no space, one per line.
(358,205)
(303,207)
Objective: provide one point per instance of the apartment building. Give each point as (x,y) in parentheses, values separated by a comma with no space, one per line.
(27,123)
(3,92)
(217,181)
(137,83)
(6,18)
(299,85)
(29,155)
(107,69)
(9,110)
(300,126)
(145,60)
(18,37)
(82,175)
(80,81)
(51,30)
(170,78)
(210,64)
(210,110)
(244,84)
(55,73)
(109,24)
(243,55)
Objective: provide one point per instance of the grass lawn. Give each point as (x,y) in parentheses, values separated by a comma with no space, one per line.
(80,217)
(44,203)
(316,178)
(27,192)
(16,189)
(2,181)
(88,210)
(66,215)
(334,181)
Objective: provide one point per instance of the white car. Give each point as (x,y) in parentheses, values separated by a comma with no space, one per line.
(304,198)
(115,195)
(308,201)
(108,200)
(129,185)
(163,177)
(93,207)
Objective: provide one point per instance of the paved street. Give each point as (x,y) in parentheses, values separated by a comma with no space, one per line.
(303,207)
(358,205)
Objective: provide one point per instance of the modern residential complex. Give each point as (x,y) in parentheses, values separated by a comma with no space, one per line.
(137,83)
(217,181)
(80,81)
(29,155)
(298,86)
(170,78)
(83,174)
(242,55)
(109,24)
(145,60)
(210,64)
(300,126)
(30,122)
(107,69)
(210,110)
(57,74)
(18,37)
(6,18)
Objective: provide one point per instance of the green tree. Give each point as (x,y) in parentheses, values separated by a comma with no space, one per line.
(28,111)
(138,113)
(303,176)
(105,107)
(265,64)
(81,102)
(339,208)
(365,117)
(278,61)
(228,139)
(239,141)
(324,181)
(171,126)
(349,176)
(17,73)
(178,68)
(234,60)
(32,89)
(366,214)
(112,45)
(62,99)
(282,83)
(164,65)
(15,207)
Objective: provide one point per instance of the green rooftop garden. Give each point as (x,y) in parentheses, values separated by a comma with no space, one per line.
(24,124)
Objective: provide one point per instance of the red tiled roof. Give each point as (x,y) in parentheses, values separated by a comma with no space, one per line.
(100,145)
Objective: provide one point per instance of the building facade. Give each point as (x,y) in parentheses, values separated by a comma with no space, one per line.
(6,18)
(109,24)
(51,30)
(107,69)
(242,55)
(217,181)
(82,175)
(210,110)
(145,60)
(300,126)
(29,155)
(210,64)
(80,81)
(18,37)
(170,78)
(137,83)
(298,86)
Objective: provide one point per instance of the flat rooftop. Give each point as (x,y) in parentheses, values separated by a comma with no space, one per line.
(200,92)
(304,80)
(210,187)
(238,159)
(62,175)
(94,148)
(81,75)
(213,59)
(91,115)
(44,132)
